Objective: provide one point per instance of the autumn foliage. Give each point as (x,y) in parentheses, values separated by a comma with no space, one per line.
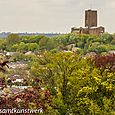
(105,61)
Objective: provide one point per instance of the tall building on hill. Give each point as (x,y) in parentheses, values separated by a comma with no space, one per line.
(90,24)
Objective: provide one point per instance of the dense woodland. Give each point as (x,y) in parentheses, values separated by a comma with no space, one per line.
(63,81)
(87,43)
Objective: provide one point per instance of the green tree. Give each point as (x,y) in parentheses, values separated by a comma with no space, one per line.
(32,46)
(43,42)
(75,83)
(12,38)
(106,38)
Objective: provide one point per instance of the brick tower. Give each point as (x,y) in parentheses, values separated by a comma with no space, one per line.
(90,24)
(90,18)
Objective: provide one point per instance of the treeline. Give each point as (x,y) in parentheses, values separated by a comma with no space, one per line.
(85,43)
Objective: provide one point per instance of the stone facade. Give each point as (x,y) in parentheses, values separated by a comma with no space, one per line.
(96,31)
(90,24)
(90,18)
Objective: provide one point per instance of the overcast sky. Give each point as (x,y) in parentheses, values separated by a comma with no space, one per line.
(53,15)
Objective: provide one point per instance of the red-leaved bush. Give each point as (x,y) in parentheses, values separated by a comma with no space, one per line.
(105,61)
